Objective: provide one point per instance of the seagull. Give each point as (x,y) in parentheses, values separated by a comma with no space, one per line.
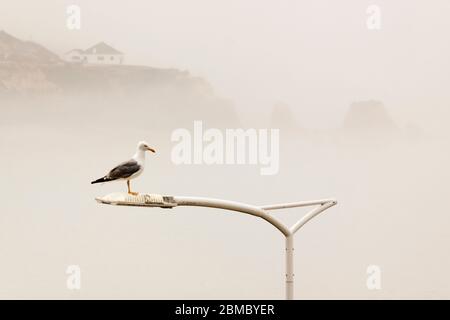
(129,169)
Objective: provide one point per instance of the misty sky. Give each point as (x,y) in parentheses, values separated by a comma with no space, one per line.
(316,56)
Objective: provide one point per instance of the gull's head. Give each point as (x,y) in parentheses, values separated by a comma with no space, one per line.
(143,146)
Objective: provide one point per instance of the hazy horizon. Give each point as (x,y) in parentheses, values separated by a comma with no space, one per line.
(259,53)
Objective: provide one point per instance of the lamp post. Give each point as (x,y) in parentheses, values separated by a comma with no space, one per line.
(155,200)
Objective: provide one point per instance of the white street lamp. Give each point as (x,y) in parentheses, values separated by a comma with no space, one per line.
(155,200)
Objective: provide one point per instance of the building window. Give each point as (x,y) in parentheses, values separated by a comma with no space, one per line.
(112,58)
(100,58)
(75,58)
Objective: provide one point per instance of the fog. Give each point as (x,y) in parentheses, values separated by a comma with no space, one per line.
(362,117)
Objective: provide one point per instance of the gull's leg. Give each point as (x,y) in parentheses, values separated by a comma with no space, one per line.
(129,189)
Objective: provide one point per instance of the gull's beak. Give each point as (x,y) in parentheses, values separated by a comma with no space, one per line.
(150,149)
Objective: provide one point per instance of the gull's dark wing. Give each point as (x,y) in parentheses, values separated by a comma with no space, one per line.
(124,170)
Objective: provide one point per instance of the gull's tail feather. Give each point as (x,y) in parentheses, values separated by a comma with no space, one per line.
(103,179)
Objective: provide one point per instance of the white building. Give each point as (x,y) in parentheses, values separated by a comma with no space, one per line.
(74,56)
(101,53)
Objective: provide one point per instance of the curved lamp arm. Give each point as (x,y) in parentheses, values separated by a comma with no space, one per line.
(233,206)
(156,200)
